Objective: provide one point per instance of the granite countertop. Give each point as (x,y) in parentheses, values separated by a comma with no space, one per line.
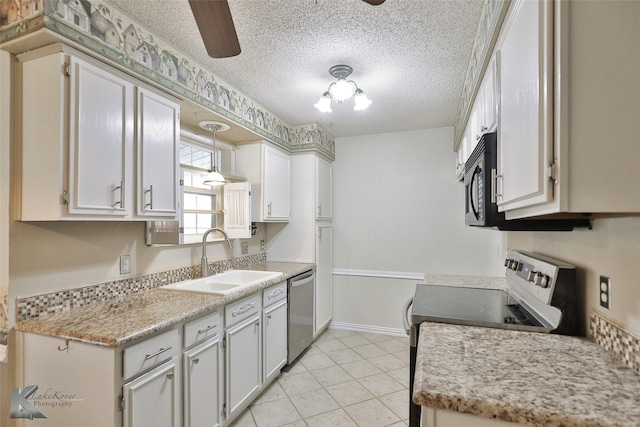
(524,377)
(120,321)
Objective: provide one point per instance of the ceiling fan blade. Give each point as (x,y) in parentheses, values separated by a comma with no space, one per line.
(374,2)
(215,23)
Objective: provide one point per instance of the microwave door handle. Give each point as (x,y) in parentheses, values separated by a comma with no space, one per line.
(472,193)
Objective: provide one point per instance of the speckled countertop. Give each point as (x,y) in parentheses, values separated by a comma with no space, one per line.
(524,377)
(123,320)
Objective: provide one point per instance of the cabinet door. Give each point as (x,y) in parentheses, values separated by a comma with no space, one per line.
(276,183)
(203,379)
(525,140)
(323,189)
(100,138)
(243,364)
(275,340)
(157,154)
(153,400)
(324,285)
(237,210)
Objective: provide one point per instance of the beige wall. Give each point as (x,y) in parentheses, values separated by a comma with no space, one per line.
(399,207)
(611,249)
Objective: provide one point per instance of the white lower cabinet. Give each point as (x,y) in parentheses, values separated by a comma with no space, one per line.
(153,399)
(274,331)
(203,372)
(441,418)
(243,354)
(203,369)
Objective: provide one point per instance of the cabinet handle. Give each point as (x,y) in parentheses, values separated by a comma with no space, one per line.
(170,375)
(119,203)
(208,328)
(269,209)
(162,350)
(150,204)
(257,324)
(269,316)
(196,360)
(484,129)
(319,210)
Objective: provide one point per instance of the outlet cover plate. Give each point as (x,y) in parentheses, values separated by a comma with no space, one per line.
(605,292)
(125,264)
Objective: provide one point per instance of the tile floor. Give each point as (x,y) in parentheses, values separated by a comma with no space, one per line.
(345,379)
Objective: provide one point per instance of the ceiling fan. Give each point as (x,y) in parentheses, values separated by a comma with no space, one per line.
(215,23)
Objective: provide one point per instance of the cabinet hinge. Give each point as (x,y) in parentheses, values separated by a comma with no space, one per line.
(224,411)
(65,197)
(182,183)
(552,172)
(224,342)
(67,69)
(121,403)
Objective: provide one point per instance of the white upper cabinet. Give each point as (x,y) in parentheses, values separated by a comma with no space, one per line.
(79,142)
(158,136)
(525,142)
(268,169)
(100,113)
(568,122)
(482,119)
(324,183)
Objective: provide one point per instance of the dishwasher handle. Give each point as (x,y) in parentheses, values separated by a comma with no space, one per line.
(302,279)
(405,315)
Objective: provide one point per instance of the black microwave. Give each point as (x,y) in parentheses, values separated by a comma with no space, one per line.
(481,208)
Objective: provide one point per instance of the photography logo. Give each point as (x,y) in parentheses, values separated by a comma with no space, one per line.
(21,407)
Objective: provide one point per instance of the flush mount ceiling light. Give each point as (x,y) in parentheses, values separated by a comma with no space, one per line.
(341,90)
(214,178)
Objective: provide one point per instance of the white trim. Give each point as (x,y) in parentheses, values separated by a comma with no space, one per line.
(379,273)
(367,328)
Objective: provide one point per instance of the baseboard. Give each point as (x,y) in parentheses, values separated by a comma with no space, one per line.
(367,328)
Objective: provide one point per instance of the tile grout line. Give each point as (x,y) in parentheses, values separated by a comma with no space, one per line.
(342,337)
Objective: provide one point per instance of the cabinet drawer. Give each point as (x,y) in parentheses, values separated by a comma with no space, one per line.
(150,352)
(243,309)
(202,328)
(274,293)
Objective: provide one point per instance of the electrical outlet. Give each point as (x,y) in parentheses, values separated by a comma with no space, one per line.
(605,292)
(245,247)
(125,264)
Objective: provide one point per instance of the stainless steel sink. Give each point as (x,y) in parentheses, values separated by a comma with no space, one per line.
(224,283)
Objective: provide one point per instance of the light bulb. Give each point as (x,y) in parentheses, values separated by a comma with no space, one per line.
(324,103)
(361,101)
(341,90)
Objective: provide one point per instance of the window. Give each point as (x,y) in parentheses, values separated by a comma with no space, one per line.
(201,204)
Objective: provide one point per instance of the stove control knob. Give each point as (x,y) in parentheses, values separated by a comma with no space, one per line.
(506,262)
(545,282)
(531,275)
(541,280)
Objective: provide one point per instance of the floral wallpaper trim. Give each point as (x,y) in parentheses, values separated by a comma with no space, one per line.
(103,29)
(41,305)
(616,340)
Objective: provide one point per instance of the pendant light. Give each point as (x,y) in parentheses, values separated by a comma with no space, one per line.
(214,178)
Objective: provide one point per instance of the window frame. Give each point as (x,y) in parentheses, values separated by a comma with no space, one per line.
(217,212)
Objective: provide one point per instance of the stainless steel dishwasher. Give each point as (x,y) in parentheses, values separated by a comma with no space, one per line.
(301,307)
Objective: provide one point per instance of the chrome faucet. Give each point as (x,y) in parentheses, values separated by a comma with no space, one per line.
(204,263)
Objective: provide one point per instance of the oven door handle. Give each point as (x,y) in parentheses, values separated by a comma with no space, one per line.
(405,315)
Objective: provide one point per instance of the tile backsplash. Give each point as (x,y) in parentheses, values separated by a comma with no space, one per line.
(616,340)
(41,305)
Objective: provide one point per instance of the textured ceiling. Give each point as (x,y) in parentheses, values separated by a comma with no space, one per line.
(409,56)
